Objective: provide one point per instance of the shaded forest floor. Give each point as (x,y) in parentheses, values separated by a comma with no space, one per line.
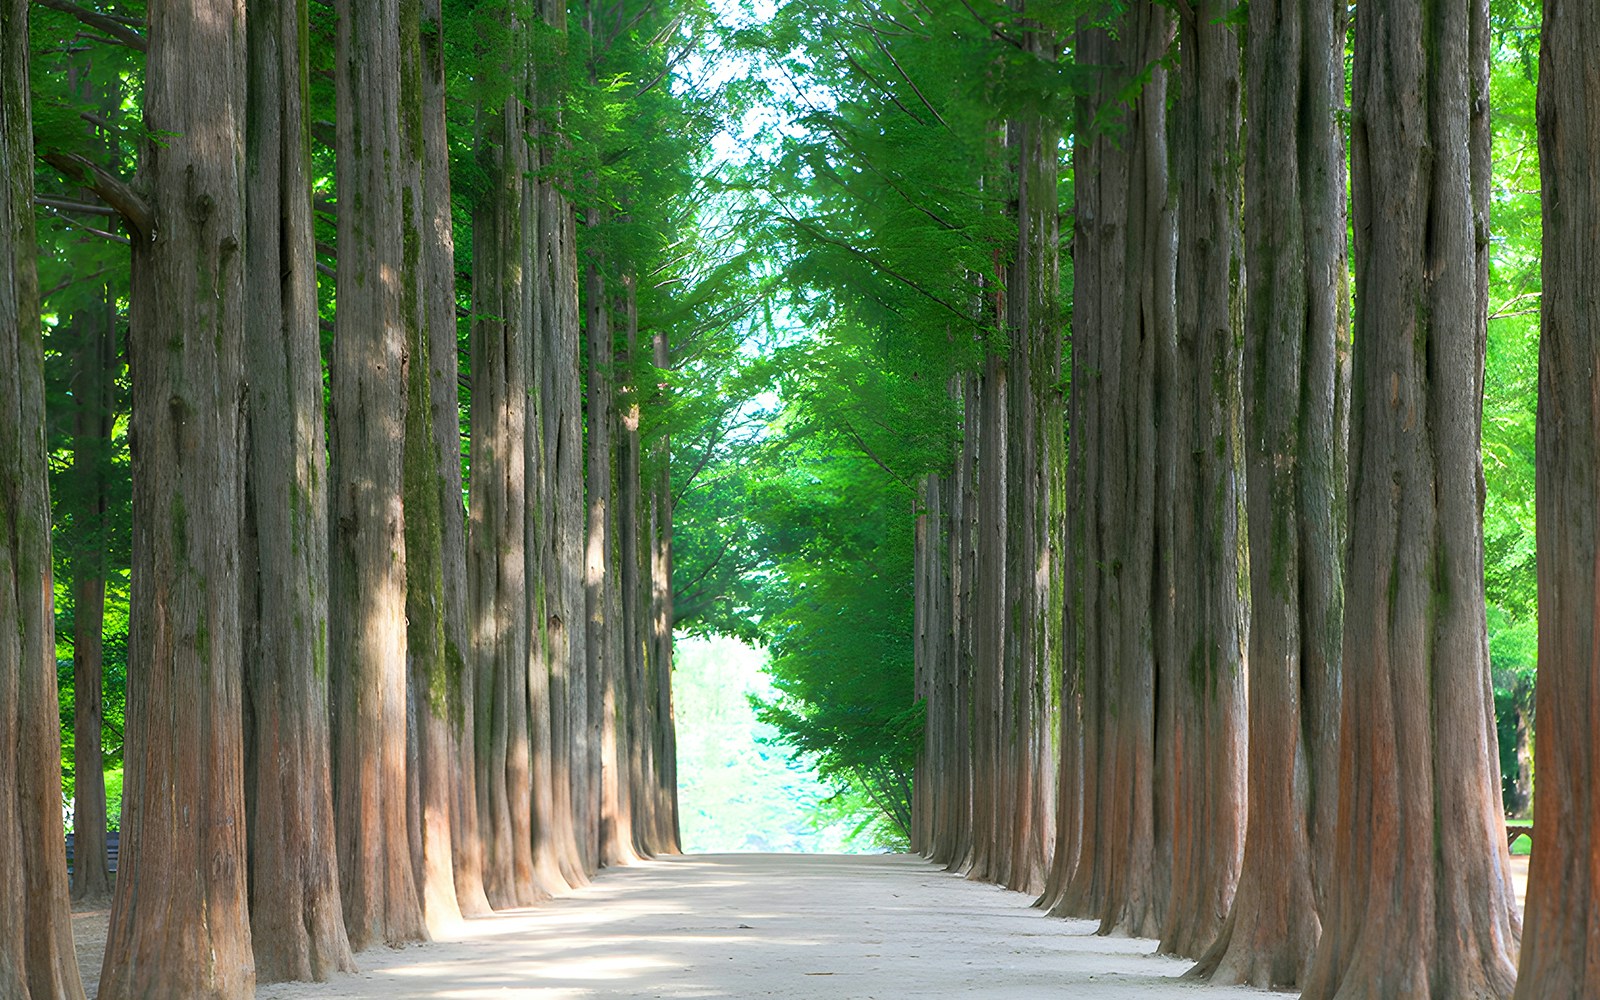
(800,926)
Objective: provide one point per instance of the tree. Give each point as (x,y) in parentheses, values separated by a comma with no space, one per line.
(367,655)
(1122,312)
(1296,339)
(1557,959)
(1420,899)
(36,956)
(1202,616)
(297,921)
(179,927)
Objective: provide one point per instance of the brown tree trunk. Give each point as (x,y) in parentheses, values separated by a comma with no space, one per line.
(296,920)
(36,954)
(94,398)
(498,560)
(631,527)
(1123,312)
(1421,902)
(179,919)
(1295,392)
(599,577)
(1559,959)
(439,293)
(990,618)
(564,512)
(368,602)
(1202,410)
(429,766)
(664,742)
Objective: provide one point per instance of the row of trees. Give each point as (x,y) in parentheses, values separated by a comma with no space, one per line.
(1240,486)
(1200,630)
(387,664)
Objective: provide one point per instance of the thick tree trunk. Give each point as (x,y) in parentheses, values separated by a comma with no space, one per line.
(991,617)
(1202,413)
(179,920)
(1421,900)
(631,528)
(36,954)
(564,512)
(429,766)
(1560,958)
(1037,451)
(439,296)
(1296,342)
(94,399)
(368,603)
(1123,312)
(498,561)
(296,919)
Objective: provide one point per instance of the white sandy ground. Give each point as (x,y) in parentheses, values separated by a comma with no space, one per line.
(806,927)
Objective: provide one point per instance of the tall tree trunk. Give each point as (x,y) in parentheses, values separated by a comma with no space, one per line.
(498,502)
(94,392)
(664,744)
(990,618)
(179,919)
(1421,900)
(296,919)
(368,603)
(1559,959)
(439,291)
(631,527)
(36,953)
(599,576)
(564,512)
(430,761)
(1123,312)
(1203,410)
(1295,393)
(1035,537)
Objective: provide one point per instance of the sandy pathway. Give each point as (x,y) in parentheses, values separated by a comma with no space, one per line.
(752,925)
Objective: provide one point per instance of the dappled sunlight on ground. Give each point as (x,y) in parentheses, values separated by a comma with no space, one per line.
(762,925)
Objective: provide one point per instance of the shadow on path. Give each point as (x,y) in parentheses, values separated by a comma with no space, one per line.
(772,925)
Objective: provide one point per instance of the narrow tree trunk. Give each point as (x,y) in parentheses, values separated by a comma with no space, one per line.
(664,735)
(1421,900)
(94,392)
(36,954)
(990,618)
(631,527)
(179,920)
(1204,413)
(1296,340)
(1559,958)
(368,603)
(296,919)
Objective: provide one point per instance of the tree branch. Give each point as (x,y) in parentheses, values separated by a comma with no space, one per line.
(94,19)
(112,189)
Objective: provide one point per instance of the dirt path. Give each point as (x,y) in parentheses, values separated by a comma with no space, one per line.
(753,925)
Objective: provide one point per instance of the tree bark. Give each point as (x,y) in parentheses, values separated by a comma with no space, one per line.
(1296,397)
(368,603)
(1559,957)
(664,743)
(36,953)
(296,918)
(564,512)
(94,401)
(179,918)
(1123,311)
(1420,902)
(1203,413)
